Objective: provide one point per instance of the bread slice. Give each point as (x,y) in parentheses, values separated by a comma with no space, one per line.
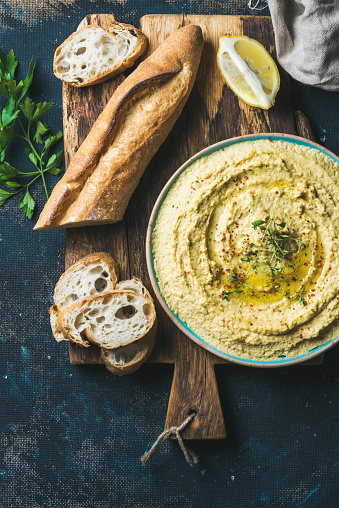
(53,313)
(94,54)
(135,285)
(109,319)
(95,273)
(127,359)
(104,172)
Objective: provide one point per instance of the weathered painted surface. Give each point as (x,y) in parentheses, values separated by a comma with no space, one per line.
(72,436)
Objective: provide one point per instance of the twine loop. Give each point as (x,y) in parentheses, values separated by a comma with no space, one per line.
(257,5)
(190,456)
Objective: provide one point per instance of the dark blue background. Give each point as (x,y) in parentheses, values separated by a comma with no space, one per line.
(73,436)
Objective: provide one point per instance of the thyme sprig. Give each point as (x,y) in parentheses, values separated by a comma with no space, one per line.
(276,237)
(297,295)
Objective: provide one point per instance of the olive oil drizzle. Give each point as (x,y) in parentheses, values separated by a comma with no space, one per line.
(276,236)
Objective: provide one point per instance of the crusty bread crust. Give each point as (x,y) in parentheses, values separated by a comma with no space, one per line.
(141,45)
(53,314)
(145,346)
(106,169)
(136,285)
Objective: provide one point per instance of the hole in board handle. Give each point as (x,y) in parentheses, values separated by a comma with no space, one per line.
(192,412)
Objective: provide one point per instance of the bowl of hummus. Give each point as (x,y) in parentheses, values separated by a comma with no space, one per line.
(242,249)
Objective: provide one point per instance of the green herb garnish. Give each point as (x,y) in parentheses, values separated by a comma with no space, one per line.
(277,237)
(18,119)
(280,241)
(297,295)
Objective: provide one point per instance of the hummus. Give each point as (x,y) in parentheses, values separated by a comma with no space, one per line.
(246,249)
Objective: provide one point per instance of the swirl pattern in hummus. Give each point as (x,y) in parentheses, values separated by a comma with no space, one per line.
(204,231)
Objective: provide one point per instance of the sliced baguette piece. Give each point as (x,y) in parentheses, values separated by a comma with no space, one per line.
(107,167)
(53,315)
(94,54)
(127,359)
(135,285)
(95,273)
(110,319)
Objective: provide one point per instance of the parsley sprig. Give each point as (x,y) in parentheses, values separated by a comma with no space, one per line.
(21,119)
(282,243)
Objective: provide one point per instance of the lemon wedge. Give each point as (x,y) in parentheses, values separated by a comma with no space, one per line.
(249,70)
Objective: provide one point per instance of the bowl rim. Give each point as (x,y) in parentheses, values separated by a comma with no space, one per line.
(291,138)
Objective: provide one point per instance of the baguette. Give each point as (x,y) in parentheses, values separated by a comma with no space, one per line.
(94,54)
(106,169)
(109,320)
(92,274)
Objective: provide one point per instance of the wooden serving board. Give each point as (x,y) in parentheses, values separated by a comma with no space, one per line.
(212,113)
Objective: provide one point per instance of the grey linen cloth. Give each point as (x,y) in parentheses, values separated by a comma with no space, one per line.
(307,40)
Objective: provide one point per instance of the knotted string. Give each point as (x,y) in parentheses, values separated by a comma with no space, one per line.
(190,456)
(257,5)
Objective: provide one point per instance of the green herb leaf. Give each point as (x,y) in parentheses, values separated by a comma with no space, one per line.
(302,300)
(10,184)
(27,204)
(4,195)
(6,136)
(257,223)
(246,260)
(233,278)
(7,171)
(28,79)
(227,295)
(11,63)
(51,141)
(9,113)
(54,161)
(32,157)
(55,171)
(3,89)
(238,291)
(41,109)
(41,130)
(13,88)
(28,108)
(3,62)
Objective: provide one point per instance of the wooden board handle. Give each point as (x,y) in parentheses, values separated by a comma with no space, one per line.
(194,388)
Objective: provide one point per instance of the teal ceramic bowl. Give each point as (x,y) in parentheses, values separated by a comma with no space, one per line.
(150,262)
